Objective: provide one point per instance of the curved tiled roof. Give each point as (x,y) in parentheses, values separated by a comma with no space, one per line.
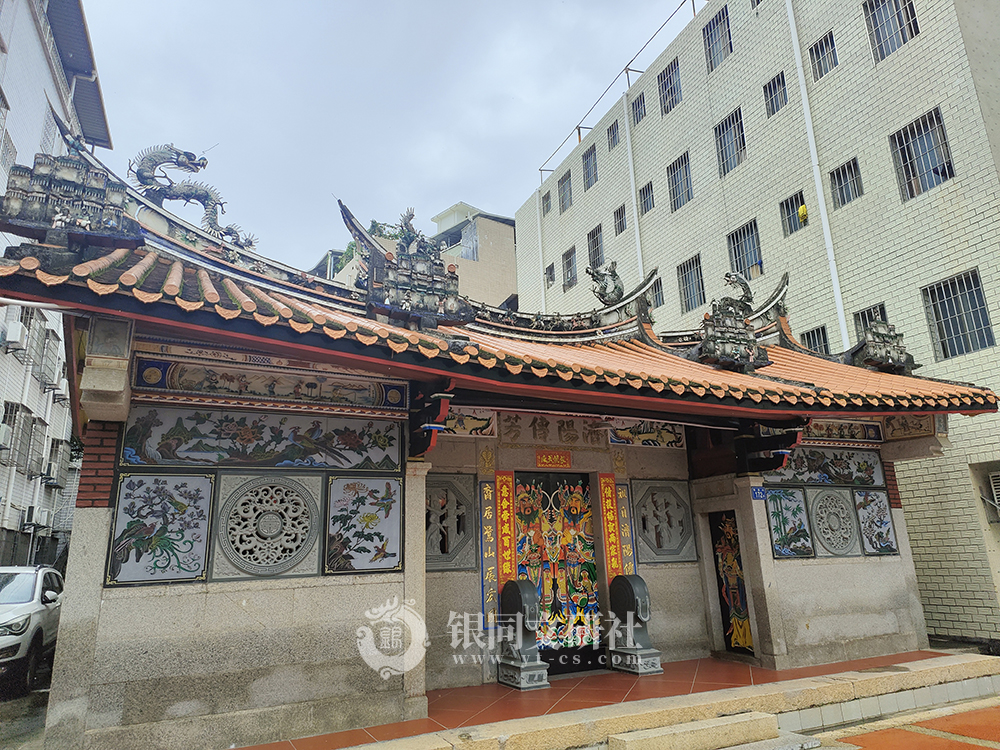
(175,285)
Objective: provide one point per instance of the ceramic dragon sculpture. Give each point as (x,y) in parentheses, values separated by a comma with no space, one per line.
(745,302)
(608,286)
(156,186)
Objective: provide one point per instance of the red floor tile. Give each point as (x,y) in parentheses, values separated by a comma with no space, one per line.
(499,712)
(452,719)
(334,741)
(901,739)
(983,724)
(283,745)
(659,689)
(705,687)
(611,694)
(404,729)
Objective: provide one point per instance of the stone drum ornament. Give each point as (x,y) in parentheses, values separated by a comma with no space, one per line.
(268,526)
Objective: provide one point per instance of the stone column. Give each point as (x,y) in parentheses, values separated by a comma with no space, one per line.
(414,578)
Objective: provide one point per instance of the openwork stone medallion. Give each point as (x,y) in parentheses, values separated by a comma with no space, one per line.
(834,522)
(268,525)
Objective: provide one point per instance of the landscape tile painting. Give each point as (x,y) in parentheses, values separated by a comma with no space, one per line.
(158,436)
(161,529)
(364,525)
(789,523)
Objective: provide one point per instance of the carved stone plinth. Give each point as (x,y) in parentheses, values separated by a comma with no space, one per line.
(514,672)
(635,660)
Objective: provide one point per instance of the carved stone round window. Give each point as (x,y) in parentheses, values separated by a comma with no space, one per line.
(833,522)
(268,526)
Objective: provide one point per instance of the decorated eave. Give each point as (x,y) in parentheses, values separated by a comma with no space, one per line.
(607,361)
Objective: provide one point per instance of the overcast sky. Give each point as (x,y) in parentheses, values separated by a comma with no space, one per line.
(384,105)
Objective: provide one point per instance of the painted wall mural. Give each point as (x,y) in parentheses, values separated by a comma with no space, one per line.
(878,537)
(364,528)
(904,426)
(838,430)
(159,436)
(646,432)
(161,529)
(733,602)
(830,466)
(217,379)
(465,421)
(789,523)
(555,551)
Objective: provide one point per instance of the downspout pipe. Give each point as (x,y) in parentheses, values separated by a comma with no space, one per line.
(824,217)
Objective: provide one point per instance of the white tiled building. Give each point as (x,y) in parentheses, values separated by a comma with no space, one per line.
(882,117)
(45,57)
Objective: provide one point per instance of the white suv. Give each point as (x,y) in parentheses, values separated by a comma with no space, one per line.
(30,598)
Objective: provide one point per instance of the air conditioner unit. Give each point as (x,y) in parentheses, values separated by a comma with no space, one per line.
(44,517)
(62,392)
(49,475)
(29,514)
(17,337)
(6,437)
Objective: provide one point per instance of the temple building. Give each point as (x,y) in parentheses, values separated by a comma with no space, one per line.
(301,503)
(855,145)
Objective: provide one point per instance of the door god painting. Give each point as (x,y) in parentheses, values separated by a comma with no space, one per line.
(732,588)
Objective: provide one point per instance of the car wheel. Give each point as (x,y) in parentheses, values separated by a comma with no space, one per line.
(25,681)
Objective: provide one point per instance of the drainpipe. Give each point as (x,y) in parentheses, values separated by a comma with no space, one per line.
(818,178)
(541,257)
(631,177)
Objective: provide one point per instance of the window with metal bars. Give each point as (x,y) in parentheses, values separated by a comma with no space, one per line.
(613,135)
(775,95)
(657,291)
(957,315)
(691,284)
(565,192)
(20,451)
(546,202)
(619,219)
(744,251)
(791,222)
(669,84)
(589,167)
(845,183)
(891,24)
(638,108)
(50,370)
(730,143)
(823,56)
(9,432)
(595,247)
(679,182)
(646,203)
(550,275)
(36,453)
(816,340)
(863,319)
(718,42)
(921,155)
(569,268)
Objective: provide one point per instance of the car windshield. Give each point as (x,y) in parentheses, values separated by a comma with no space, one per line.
(16,588)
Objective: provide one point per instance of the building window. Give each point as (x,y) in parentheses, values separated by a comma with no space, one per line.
(690,283)
(638,108)
(823,55)
(816,340)
(619,219)
(920,152)
(565,193)
(863,320)
(744,251)
(669,84)
(8,432)
(595,247)
(679,182)
(48,133)
(891,24)
(730,144)
(569,269)
(657,291)
(845,183)
(550,275)
(613,135)
(791,220)
(718,42)
(21,450)
(589,167)
(646,198)
(957,314)
(775,95)
(546,202)
(4,109)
